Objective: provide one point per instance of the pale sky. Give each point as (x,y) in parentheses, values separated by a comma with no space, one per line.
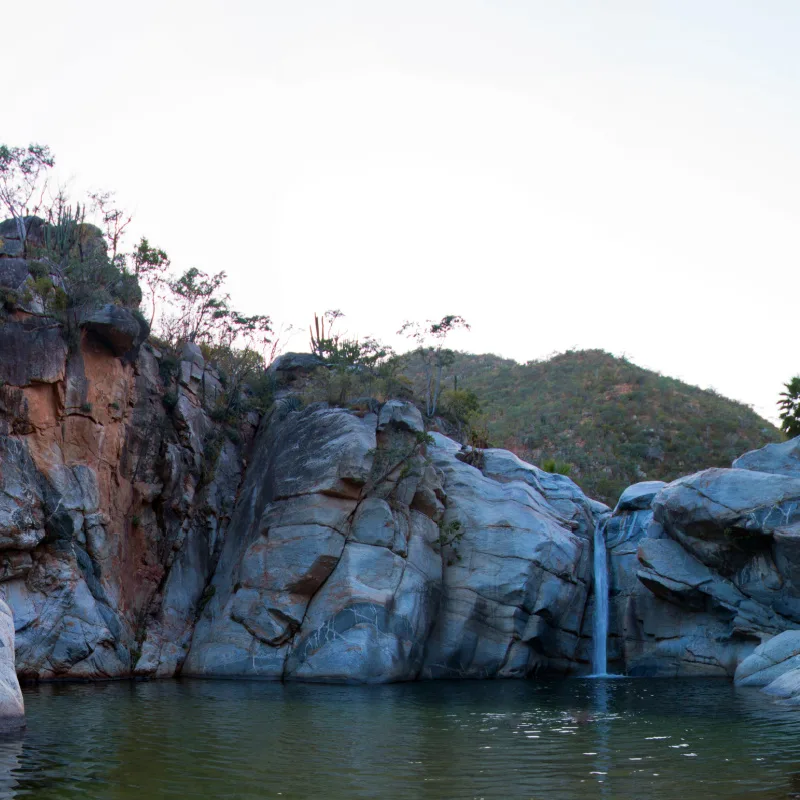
(621,175)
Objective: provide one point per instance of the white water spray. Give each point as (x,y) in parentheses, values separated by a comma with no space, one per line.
(600,630)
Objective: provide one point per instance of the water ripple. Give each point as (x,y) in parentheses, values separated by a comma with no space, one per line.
(559,740)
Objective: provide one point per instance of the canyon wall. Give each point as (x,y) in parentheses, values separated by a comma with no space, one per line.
(143,535)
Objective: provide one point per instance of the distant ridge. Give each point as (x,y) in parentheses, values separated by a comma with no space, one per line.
(615,423)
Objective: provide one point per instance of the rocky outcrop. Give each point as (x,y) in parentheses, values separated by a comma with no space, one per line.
(368,554)
(141,533)
(778,459)
(707,572)
(116,488)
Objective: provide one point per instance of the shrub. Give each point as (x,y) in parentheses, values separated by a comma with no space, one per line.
(556,467)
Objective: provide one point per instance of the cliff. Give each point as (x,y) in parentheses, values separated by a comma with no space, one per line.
(142,536)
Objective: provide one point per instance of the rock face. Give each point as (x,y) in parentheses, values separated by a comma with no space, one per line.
(141,536)
(368,556)
(113,502)
(709,571)
(780,459)
(12,707)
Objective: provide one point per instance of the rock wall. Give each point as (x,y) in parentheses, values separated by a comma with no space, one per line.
(116,489)
(139,536)
(366,552)
(705,569)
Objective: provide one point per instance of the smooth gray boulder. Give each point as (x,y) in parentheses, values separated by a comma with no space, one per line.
(785,687)
(401,415)
(719,499)
(364,554)
(726,516)
(639,496)
(12,707)
(289,365)
(782,458)
(770,660)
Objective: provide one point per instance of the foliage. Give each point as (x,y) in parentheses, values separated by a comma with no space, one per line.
(449,533)
(790,408)
(556,467)
(150,265)
(431,352)
(355,367)
(21,182)
(199,305)
(460,404)
(344,352)
(614,423)
(71,271)
(322,339)
(113,220)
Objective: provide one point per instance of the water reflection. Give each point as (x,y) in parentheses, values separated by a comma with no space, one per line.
(602,733)
(568,739)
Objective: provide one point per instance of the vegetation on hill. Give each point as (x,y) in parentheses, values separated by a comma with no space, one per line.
(604,420)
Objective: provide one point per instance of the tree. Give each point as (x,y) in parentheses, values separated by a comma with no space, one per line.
(21,186)
(199,305)
(204,312)
(150,265)
(113,219)
(790,408)
(430,338)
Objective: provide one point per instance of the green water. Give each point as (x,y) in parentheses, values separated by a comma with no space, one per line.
(511,739)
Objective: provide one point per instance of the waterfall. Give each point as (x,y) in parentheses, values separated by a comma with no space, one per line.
(600,629)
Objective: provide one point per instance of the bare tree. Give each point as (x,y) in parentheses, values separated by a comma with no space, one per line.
(22,186)
(430,338)
(114,220)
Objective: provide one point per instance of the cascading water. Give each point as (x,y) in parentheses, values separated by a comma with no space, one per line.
(600,629)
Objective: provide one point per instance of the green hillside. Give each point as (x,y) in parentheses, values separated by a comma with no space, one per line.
(614,423)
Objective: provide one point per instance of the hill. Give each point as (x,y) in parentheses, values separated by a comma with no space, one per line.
(612,422)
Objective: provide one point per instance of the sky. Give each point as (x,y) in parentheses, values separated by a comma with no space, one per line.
(622,174)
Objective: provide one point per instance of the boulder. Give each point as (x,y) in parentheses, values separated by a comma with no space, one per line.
(290,366)
(400,415)
(12,707)
(639,496)
(781,459)
(773,658)
(118,327)
(726,516)
(786,687)
(10,233)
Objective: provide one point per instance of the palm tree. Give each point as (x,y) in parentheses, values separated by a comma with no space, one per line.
(790,408)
